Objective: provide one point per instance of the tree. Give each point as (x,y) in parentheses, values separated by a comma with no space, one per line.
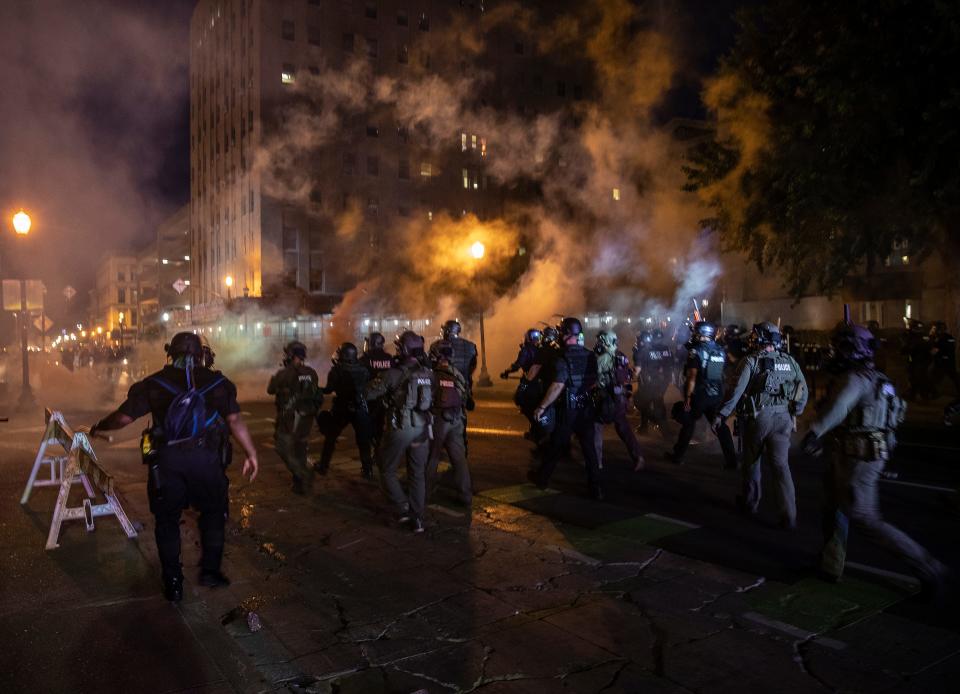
(836,135)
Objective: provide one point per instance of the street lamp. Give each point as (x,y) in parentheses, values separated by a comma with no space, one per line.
(477,251)
(120,320)
(21,225)
(228,281)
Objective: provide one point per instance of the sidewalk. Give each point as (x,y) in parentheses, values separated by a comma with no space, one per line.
(514,602)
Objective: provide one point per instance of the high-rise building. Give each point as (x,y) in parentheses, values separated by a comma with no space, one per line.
(116,294)
(250,60)
(174,264)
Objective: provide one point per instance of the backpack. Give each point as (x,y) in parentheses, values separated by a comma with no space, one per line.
(187,417)
(451,391)
(891,409)
(415,393)
(712,362)
(305,398)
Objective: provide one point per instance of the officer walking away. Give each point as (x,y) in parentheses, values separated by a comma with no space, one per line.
(407,393)
(194,411)
(298,398)
(943,348)
(703,393)
(916,349)
(377,360)
(540,375)
(527,395)
(857,424)
(449,421)
(614,383)
(653,366)
(574,373)
(769,393)
(464,351)
(347,380)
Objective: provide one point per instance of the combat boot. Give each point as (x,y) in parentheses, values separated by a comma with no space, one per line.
(173,588)
(417,525)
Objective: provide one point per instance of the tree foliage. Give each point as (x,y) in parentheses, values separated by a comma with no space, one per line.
(837,135)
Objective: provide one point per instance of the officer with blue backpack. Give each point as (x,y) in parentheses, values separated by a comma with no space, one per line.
(298,398)
(194,411)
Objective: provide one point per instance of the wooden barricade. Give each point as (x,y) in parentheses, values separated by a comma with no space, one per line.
(57,434)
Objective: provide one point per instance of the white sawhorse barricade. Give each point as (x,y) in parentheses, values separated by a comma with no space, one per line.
(78,465)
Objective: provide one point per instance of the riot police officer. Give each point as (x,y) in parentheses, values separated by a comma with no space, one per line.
(943,350)
(464,351)
(769,392)
(916,349)
(187,471)
(653,366)
(449,421)
(614,382)
(703,392)
(298,398)
(347,379)
(858,422)
(574,373)
(527,395)
(407,392)
(377,360)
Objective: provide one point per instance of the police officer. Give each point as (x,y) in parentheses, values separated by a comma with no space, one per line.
(464,351)
(449,421)
(770,392)
(615,379)
(653,366)
(347,379)
(574,373)
(527,394)
(407,392)
(943,350)
(377,360)
(188,472)
(860,416)
(916,349)
(703,392)
(298,398)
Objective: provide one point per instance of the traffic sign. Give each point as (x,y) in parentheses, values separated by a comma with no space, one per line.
(69,292)
(180,286)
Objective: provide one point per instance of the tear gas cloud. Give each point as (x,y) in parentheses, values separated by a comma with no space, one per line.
(609,229)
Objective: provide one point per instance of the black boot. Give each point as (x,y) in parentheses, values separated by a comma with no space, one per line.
(173,588)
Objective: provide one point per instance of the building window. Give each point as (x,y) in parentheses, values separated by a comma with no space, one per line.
(346,43)
(466,178)
(349,163)
(518,48)
(251,205)
(121,277)
(373,166)
(287,30)
(373,131)
(316,272)
(577,92)
(424,22)
(313,35)
(372,48)
(403,169)
(538,84)
(287,74)
(402,133)
(403,54)
(616,193)
(373,207)
(473,142)
(426,170)
(121,295)
(370,10)
(463,142)
(402,19)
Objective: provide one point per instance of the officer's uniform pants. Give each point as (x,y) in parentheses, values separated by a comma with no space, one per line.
(624,431)
(580,423)
(766,442)
(650,405)
(851,489)
(291,445)
(189,478)
(377,418)
(340,418)
(448,436)
(703,405)
(410,443)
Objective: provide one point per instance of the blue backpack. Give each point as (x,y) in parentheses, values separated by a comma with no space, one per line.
(187,417)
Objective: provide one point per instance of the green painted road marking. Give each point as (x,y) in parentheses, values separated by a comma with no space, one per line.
(517,492)
(819,606)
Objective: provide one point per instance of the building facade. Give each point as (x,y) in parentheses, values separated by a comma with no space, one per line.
(116,293)
(251,60)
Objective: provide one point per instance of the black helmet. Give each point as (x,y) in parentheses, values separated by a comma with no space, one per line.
(645,337)
(373,341)
(731,331)
(550,335)
(441,349)
(347,353)
(767,333)
(570,327)
(450,330)
(409,344)
(207,354)
(295,349)
(854,342)
(185,344)
(704,331)
(657,334)
(533,336)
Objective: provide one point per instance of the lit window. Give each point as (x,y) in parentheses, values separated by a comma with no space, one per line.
(616,193)
(905,259)
(426,170)
(430,217)
(463,142)
(466,178)
(287,75)
(483,146)
(473,142)
(165,261)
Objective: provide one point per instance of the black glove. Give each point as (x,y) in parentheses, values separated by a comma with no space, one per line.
(504,375)
(471,405)
(811,444)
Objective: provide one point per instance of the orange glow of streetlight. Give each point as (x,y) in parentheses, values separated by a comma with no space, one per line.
(22,223)
(477,250)
(228,280)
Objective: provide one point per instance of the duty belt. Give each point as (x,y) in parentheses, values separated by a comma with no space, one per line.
(866,445)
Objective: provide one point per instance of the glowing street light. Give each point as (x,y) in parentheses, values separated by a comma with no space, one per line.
(22,223)
(228,281)
(477,250)
(165,317)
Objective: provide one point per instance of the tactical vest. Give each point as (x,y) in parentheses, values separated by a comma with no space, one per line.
(711,358)
(450,390)
(776,382)
(377,361)
(869,431)
(464,352)
(353,379)
(413,394)
(578,361)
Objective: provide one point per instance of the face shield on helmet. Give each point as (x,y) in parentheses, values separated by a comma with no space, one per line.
(767,333)
(450,330)
(644,338)
(570,327)
(207,355)
(347,353)
(854,343)
(373,342)
(441,350)
(532,337)
(704,331)
(550,335)
(409,344)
